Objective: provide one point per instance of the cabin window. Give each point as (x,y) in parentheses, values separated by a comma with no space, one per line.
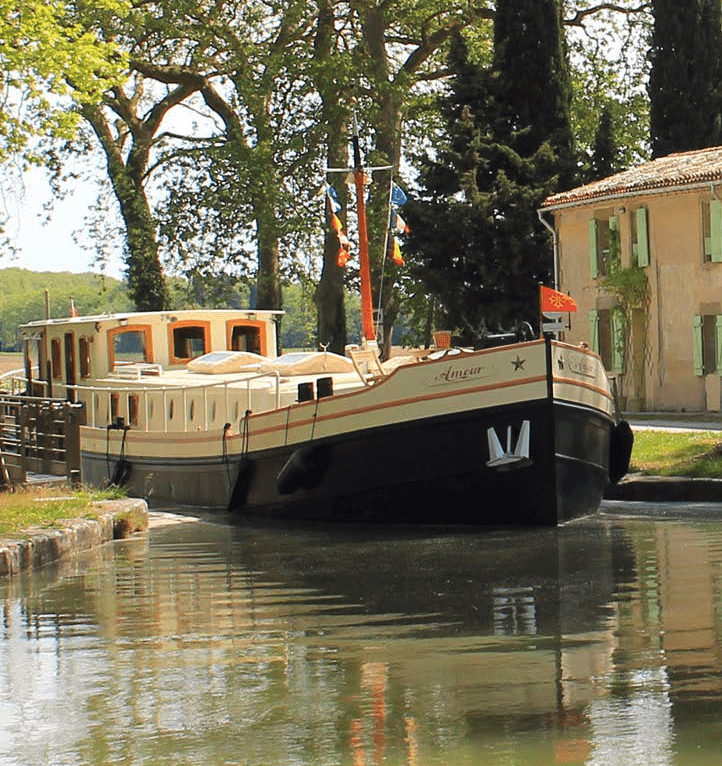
(246,336)
(604,245)
(84,356)
(33,355)
(640,237)
(188,340)
(56,359)
(128,345)
(707,344)
(712,230)
(606,336)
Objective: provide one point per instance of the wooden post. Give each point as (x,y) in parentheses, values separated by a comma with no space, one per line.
(74,417)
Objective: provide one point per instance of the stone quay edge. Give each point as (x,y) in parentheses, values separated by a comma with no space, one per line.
(42,545)
(671,489)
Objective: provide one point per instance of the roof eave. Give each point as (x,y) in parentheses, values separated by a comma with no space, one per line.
(601,198)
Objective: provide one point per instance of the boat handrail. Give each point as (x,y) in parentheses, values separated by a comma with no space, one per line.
(10,376)
(93,391)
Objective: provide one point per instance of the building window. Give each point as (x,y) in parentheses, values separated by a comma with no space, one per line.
(712,230)
(640,237)
(606,334)
(604,245)
(707,343)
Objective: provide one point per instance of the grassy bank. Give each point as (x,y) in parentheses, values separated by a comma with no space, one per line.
(47,507)
(695,454)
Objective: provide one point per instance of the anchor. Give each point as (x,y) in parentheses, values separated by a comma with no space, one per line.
(509,458)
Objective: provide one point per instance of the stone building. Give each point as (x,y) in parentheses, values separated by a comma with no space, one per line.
(641,253)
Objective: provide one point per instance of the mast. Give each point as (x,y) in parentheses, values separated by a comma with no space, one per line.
(367,313)
(359,176)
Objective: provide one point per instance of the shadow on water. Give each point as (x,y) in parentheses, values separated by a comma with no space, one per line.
(218,642)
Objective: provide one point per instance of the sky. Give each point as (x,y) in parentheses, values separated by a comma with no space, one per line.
(48,247)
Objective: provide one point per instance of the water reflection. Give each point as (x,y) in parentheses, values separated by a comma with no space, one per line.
(597,643)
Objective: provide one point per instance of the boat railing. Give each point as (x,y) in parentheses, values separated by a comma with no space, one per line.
(129,402)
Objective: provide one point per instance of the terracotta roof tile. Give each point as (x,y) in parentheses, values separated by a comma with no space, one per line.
(674,170)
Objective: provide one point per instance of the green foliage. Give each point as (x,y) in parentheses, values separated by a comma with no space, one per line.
(629,285)
(606,158)
(23,298)
(609,70)
(43,50)
(299,321)
(685,82)
(476,242)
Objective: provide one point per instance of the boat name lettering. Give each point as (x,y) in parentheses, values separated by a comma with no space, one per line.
(581,367)
(453,373)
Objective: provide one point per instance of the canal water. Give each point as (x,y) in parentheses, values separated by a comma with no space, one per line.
(597,643)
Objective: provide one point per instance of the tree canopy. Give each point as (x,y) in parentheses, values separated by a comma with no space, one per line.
(685,81)
(45,52)
(476,240)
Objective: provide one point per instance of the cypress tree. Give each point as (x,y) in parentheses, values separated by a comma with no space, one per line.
(606,160)
(685,79)
(477,242)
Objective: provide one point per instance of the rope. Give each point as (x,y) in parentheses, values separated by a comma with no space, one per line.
(245,437)
(224,448)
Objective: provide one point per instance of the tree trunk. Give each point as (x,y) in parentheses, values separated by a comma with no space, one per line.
(146,282)
(329,294)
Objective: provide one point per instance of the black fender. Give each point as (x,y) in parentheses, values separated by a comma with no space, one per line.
(244,477)
(621,442)
(304,469)
(121,473)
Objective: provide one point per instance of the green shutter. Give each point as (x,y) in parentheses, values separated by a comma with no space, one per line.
(618,349)
(697,344)
(594,330)
(593,249)
(715,221)
(642,237)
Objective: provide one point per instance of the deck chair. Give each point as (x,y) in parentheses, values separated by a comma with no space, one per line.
(366,363)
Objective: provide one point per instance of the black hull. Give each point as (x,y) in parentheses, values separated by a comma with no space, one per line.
(435,472)
(428,471)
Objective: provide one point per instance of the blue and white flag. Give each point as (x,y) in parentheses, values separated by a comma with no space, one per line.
(333,199)
(398,196)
